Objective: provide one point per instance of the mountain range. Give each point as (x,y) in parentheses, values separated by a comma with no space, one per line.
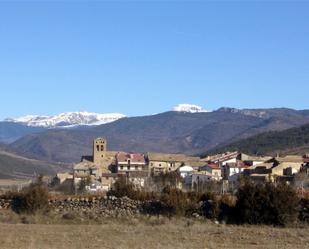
(190,131)
(67,119)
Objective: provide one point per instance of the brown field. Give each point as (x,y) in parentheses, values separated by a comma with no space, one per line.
(150,233)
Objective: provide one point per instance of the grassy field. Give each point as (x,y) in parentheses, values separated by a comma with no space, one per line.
(150,233)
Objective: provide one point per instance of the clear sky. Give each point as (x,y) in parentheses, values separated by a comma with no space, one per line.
(145,57)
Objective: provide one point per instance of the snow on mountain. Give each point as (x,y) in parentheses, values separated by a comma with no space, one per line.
(67,119)
(255,113)
(188,108)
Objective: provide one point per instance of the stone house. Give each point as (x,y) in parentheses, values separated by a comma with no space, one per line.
(276,169)
(224,158)
(130,162)
(232,171)
(107,180)
(253,160)
(164,163)
(214,170)
(62,177)
(185,171)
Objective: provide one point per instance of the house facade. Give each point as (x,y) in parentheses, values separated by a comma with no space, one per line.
(213,170)
(164,163)
(130,162)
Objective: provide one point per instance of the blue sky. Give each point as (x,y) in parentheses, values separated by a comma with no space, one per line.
(145,57)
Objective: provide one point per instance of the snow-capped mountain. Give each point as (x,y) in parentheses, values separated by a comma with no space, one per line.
(188,108)
(67,119)
(260,113)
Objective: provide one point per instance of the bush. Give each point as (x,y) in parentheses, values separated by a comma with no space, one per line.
(32,199)
(169,179)
(123,187)
(210,207)
(304,210)
(227,205)
(177,202)
(83,184)
(266,204)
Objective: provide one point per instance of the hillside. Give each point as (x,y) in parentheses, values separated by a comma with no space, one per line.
(13,166)
(291,141)
(169,132)
(10,131)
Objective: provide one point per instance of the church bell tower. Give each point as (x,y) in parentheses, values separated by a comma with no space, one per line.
(99,150)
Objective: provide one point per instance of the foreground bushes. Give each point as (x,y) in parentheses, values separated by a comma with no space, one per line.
(31,199)
(266,204)
(253,203)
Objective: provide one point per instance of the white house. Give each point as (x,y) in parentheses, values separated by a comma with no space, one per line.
(232,171)
(185,171)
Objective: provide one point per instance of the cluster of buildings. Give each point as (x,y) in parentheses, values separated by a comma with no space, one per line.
(104,167)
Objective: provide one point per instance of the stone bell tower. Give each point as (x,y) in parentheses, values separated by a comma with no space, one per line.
(99,150)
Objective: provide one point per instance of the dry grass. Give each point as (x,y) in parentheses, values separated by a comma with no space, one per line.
(149,233)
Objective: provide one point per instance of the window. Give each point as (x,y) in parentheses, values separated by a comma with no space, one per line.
(98,147)
(102,147)
(129,167)
(121,167)
(136,167)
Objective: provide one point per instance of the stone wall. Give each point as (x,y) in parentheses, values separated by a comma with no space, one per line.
(102,207)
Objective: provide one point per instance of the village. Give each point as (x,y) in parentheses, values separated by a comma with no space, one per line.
(101,170)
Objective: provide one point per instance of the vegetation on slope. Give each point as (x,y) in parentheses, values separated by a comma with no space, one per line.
(295,140)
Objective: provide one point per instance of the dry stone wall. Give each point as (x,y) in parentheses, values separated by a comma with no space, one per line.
(107,206)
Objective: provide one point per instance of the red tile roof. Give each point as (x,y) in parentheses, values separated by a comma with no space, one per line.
(213,166)
(133,157)
(306,160)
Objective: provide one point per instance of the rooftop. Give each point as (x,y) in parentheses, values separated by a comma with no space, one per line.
(152,156)
(133,157)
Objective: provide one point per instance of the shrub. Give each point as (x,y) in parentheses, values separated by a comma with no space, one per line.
(168,179)
(227,204)
(176,202)
(266,204)
(83,184)
(123,187)
(210,207)
(304,210)
(154,207)
(32,198)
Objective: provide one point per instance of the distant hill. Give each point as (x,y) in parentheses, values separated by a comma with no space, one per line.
(13,166)
(169,132)
(10,131)
(291,141)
